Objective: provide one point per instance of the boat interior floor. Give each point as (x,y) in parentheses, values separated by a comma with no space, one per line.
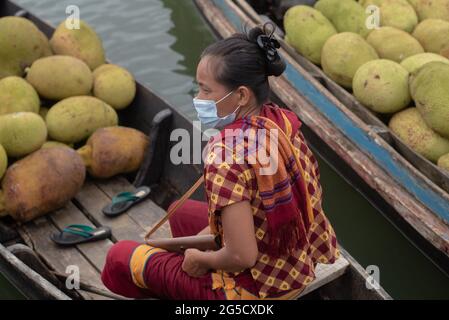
(89,258)
(86,208)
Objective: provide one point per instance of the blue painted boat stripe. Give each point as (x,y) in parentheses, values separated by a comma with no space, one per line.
(381,156)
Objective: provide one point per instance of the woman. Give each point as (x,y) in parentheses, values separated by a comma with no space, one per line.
(271,222)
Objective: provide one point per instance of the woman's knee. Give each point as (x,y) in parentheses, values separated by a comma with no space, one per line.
(121,252)
(116,268)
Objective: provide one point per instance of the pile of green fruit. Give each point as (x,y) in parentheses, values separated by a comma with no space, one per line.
(398,67)
(54,95)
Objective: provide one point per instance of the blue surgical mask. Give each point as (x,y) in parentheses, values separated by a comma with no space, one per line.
(208,114)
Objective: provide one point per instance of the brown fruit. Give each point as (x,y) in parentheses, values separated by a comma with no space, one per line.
(114,150)
(41,182)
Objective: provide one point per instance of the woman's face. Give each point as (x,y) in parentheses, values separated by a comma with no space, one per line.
(210,89)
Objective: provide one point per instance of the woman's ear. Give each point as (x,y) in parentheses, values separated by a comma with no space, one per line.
(244,95)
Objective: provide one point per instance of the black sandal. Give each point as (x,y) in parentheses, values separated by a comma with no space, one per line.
(125,200)
(78,233)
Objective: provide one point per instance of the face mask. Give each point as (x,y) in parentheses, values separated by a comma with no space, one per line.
(208,114)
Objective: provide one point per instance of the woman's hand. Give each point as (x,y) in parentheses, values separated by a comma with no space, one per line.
(192,264)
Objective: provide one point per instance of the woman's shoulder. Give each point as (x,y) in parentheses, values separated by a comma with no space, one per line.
(226,155)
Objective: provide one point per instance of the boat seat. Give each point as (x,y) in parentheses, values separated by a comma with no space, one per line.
(325,273)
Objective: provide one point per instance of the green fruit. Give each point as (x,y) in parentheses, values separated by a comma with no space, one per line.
(75,119)
(46,49)
(82,43)
(3,161)
(395,13)
(307,30)
(60,77)
(382,86)
(445,51)
(43,112)
(22,133)
(398,14)
(20,45)
(429,87)
(432,9)
(102,68)
(443,162)
(115,86)
(366,3)
(394,44)
(345,15)
(413,3)
(410,127)
(54,144)
(433,34)
(415,62)
(17,95)
(343,54)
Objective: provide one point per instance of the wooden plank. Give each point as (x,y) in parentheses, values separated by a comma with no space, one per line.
(92,200)
(94,252)
(325,273)
(358,277)
(146,211)
(26,279)
(37,234)
(430,170)
(146,214)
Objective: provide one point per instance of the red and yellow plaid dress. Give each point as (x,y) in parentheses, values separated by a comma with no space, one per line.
(270,277)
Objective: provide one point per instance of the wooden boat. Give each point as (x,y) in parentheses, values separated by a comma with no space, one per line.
(437,175)
(420,198)
(39,268)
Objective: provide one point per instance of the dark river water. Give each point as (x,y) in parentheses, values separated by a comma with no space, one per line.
(160,41)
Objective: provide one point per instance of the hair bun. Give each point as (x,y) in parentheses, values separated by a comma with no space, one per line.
(266,42)
(276,68)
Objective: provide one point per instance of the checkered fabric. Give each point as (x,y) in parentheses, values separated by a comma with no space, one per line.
(229,182)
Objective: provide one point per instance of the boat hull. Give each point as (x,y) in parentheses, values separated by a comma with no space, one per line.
(417,201)
(176,179)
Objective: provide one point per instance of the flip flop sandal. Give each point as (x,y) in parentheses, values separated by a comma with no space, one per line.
(78,233)
(125,200)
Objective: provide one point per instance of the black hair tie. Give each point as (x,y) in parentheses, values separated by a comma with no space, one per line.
(270,46)
(266,42)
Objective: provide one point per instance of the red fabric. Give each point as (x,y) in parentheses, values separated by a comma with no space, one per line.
(163,272)
(189,219)
(273,112)
(284,193)
(116,275)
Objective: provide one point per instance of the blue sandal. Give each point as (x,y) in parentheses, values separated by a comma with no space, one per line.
(77,233)
(125,200)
